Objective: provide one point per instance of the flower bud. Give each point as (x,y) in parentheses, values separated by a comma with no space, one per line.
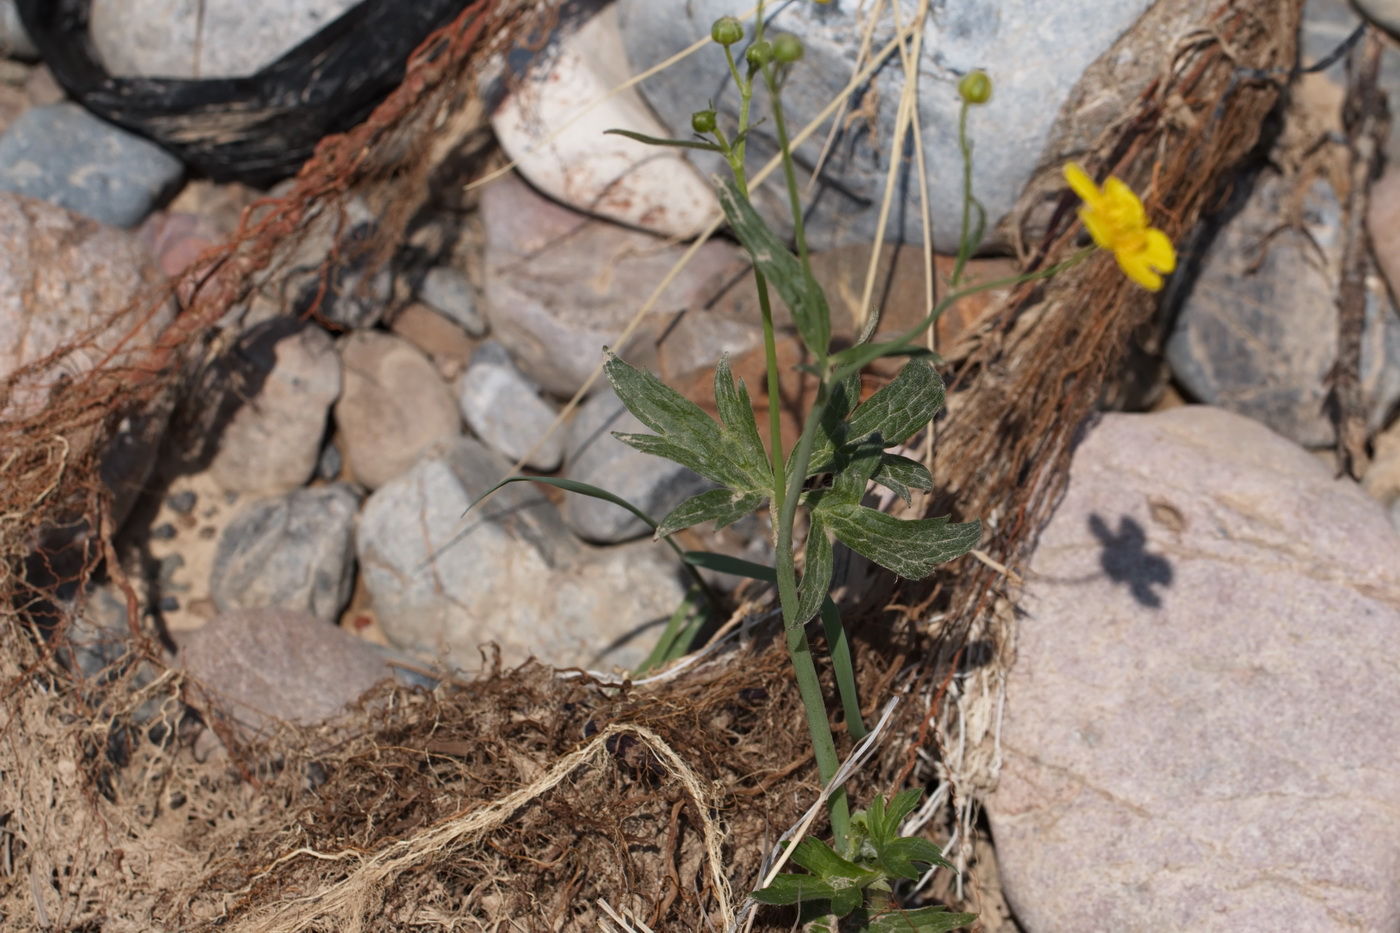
(727,30)
(759,54)
(975,87)
(703,121)
(787,48)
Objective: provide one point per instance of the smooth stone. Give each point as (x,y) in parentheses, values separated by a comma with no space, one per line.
(559,286)
(62,277)
(448,292)
(290,378)
(575,76)
(330,463)
(393,404)
(1204,691)
(504,409)
(1382,479)
(262,666)
(437,335)
(203,39)
(14,38)
(292,552)
(653,484)
(445,582)
(1035,52)
(66,156)
(1257,334)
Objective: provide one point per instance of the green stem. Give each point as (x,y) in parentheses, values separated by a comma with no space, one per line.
(789,171)
(964,247)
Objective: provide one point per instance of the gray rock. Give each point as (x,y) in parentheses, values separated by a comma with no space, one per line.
(1035,52)
(290,552)
(204,39)
(445,582)
(503,408)
(265,665)
(1260,341)
(66,156)
(448,292)
(273,438)
(1203,691)
(14,40)
(62,279)
(559,286)
(330,463)
(392,406)
(594,456)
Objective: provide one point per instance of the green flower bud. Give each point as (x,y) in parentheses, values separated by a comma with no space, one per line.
(727,30)
(975,87)
(787,48)
(759,54)
(703,121)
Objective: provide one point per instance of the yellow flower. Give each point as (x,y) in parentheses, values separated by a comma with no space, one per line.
(1116,220)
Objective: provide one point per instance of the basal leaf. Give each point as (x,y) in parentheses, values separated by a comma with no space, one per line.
(900,806)
(736,415)
(802,295)
(816,573)
(897,857)
(831,428)
(821,859)
(923,920)
(721,506)
(900,409)
(793,889)
(898,473)
(909,547)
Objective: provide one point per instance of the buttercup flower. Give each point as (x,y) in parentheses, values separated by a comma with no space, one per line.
(1116,220)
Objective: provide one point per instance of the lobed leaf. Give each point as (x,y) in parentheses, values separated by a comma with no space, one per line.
(803,296)
(722,506)
(897,474)
(821,859)
(899,410)
(922,920)
(793,889)
(911,548)
(897,857)
(816,573)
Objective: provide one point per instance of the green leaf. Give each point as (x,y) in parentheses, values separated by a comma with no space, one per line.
(909,547)
(804,298)
(854,359)
(736,414)
(793,889)
(658,141)
(923,920)
(816,573)
(901,409)
(897,856)
(900,806)
(684,432)
(846,899)
(723,563)
(831,427)
(854,465)
(821,859)
(898,473)
(722,506)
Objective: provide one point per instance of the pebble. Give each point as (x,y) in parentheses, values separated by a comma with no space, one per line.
(653,484)
(66,156)
(441,338)
(448,292)
(14,39)
(1258,332)
(264,665)
(444,583)
(292,552)
(183,503)
(330,464)
(1203,691)
(393,405)
(554,117)
(209,39)
(1034,50)
(290,378)
(559,286)
(504,409)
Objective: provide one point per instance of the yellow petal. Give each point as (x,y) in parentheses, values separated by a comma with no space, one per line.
(1158,252)
(1099,227)
(1081,184)
(1125,206)
(1136,267)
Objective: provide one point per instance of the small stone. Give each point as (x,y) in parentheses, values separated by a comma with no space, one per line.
(209,39)
(183,503)
(436,335)
(66,156)
(503,408)
(448,292)
(169,604)
(445,582)
(1258,332)
(1203,689)
(559,286)
(289,552)
(262,665)
(653,484)
(288,378)
(14,39)
(393,406)
(330,464)
(554,118)
(163,532)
